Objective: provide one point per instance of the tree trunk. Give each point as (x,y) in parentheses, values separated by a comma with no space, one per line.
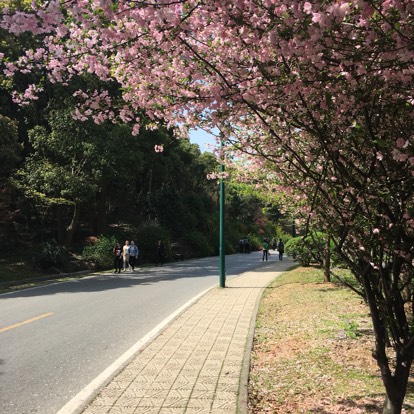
(70,230)
(100,215)
(327,260)
(396,384)
(392,406)
(60,226)
(394,377)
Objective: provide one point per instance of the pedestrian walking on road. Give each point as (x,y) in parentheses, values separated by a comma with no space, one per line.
(117,251)
(241,245)
(160,251)
(125,255)
(281,249)
(133,255)
(246,244)
(265,249)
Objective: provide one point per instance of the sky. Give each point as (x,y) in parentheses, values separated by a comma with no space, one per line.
(202,139)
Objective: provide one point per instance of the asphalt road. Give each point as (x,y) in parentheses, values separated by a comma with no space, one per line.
(55,339)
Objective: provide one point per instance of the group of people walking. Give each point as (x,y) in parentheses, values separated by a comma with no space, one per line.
(125,257)
(244,245)
(266,246)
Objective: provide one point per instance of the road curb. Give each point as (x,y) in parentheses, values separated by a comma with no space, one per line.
(242,403)
(78,403)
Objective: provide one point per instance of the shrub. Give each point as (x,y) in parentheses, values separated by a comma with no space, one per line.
(48,254)
(307,249)
(198,243)
(297,248)
(310,248)
(146,240)
(256,241)
(100,252)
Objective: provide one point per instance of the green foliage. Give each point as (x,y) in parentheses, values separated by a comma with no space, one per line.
(255,240)
(50,254)
(351,329)
(15,4)
(146,240)
(9,147)
(311,248)
(198,243)
(300,249)
(114,180)
(100,252)
(241,203)
(233,231)
(172,212)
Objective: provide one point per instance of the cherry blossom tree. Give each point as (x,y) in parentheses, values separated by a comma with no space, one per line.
(316,93)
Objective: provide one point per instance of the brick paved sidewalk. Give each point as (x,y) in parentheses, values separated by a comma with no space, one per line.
(199,362)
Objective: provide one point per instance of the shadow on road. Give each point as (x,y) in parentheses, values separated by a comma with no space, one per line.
(199,268)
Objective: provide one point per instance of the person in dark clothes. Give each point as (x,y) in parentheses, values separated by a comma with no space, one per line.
(160,251)
(117,252)
(281,249)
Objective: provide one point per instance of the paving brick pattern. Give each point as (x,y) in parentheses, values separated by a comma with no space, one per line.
(194,365)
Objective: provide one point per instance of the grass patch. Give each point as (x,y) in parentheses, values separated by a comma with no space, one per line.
(16,274)
(16,270)
(312,350)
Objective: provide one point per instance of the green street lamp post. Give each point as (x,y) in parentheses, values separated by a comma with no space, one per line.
(222,252)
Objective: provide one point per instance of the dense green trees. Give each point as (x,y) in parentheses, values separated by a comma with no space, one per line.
(9,146)
(72,182)
(65,182)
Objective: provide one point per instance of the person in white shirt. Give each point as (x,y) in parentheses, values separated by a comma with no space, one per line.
(125,255)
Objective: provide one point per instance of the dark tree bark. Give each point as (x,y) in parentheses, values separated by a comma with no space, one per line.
(70,230)
(100,214)
(384,301)
(327,260)
(61,232)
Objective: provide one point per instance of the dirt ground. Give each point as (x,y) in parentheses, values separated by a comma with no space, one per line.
(312,351)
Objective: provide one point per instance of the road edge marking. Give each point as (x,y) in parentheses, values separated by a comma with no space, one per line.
(81,400)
